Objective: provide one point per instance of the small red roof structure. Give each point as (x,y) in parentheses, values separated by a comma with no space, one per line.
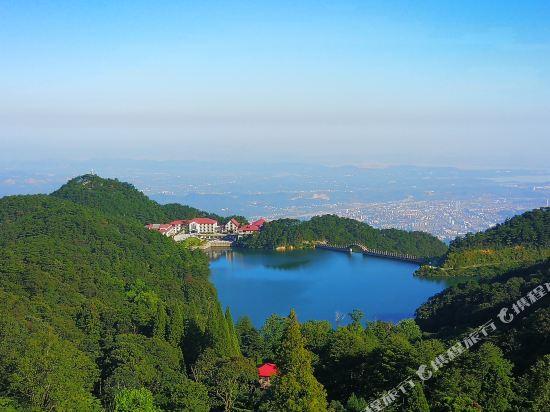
(249,228)
(165,227)
(179,222)
(235,222)
(203,221)
(267,370)
(258,223)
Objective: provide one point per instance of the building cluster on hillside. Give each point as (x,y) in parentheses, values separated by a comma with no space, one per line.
(205,226)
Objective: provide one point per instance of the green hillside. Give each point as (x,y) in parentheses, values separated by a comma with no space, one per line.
(530,229)
(114,197)
(343,231)
(92,303)
(520,241)
(467,305)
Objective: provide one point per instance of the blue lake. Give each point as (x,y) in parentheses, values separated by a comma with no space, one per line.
(318,284)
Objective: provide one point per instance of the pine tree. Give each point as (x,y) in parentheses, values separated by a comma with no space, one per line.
(161,321)
(232,335)
(176,325)
(251,342)
(416,400)
(296,389)
(218,332)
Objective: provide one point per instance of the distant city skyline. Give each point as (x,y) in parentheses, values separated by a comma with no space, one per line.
(462,84)
(446,202)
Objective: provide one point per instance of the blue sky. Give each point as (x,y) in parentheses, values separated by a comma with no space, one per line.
(464,83)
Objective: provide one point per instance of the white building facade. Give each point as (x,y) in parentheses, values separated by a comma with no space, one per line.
(203,225)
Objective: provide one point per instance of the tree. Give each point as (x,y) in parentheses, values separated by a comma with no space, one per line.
(336,406)
(296,389)
(148,311)
(9,405)
(356,316)
(233,340)
(317,334)
(356,404)
(478,380)
(535,386)
(342,231)
(410,329)
(495,376)
(344,367)
(272,331)
(250,340)
(221,333)
(415,400)
(390,363)
(230,380)
(134,400)
(189,395)
(51,374)
(137,361)
(175,325)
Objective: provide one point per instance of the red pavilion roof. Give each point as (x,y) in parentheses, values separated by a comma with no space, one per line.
(267,370)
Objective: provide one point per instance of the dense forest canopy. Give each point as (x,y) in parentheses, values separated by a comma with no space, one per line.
(343,231)
(98,313)
(519,241)
(92,302)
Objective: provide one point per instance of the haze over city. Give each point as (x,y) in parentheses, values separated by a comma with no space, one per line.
(430,116)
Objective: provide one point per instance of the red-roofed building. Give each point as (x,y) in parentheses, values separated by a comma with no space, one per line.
(265,372)
(232,226)
(252,228)
(247,229)
(166,229)
(258,223)
(179,224)
(203,225)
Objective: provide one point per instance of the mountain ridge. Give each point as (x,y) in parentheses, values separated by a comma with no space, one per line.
(521,240)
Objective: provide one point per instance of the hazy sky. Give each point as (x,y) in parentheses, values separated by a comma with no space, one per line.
(428,82)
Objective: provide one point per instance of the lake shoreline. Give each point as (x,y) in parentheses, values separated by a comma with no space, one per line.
(318,284)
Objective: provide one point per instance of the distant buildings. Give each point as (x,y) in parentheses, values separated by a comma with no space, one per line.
(204,226)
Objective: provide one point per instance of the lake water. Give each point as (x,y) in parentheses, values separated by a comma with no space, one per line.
(318,284)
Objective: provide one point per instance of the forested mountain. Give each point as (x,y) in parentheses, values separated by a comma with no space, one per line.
(343,231)
(93,306)
(114,197)
(519,241)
